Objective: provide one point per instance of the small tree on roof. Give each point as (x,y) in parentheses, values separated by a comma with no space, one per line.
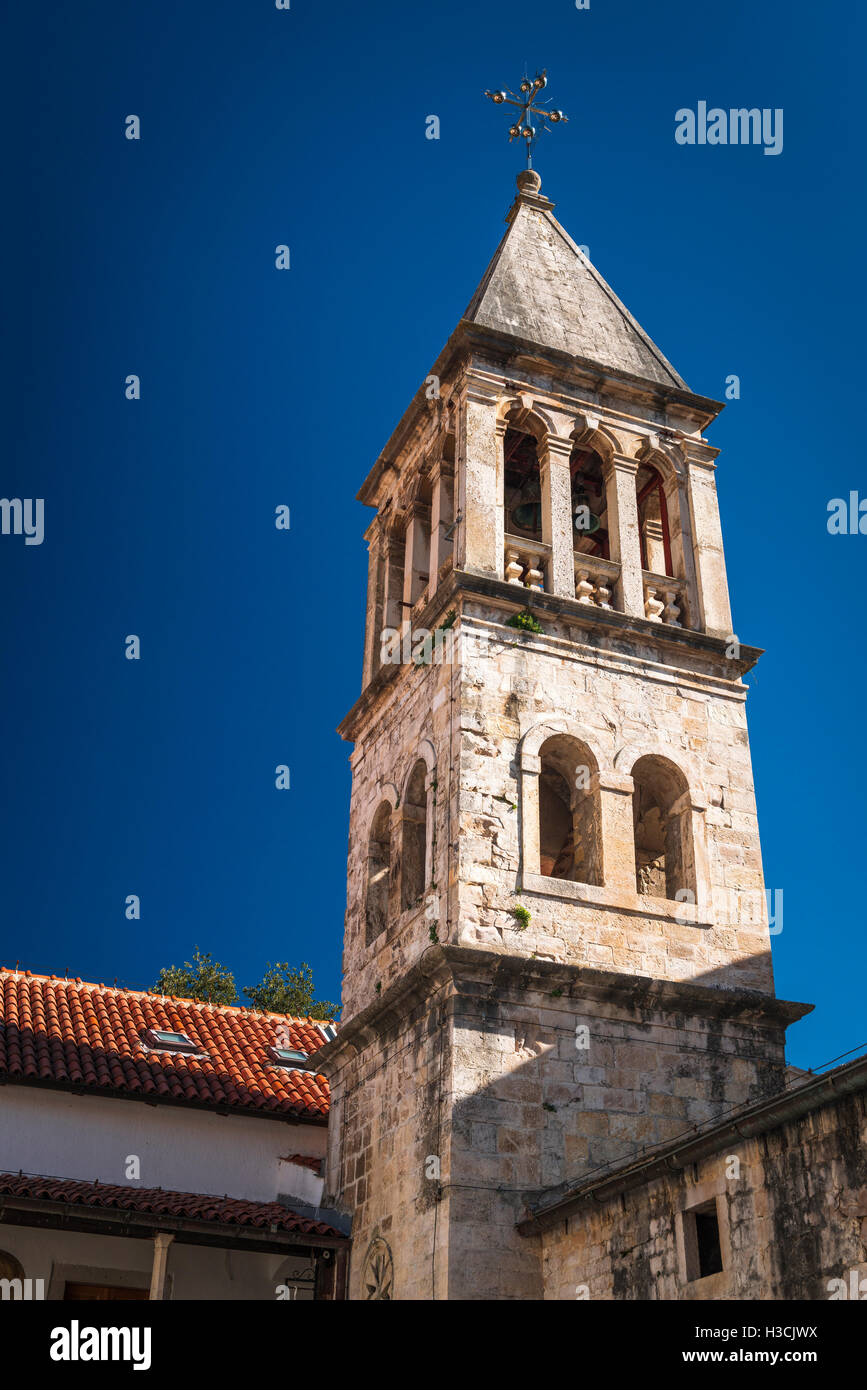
(286,989)
(202,979)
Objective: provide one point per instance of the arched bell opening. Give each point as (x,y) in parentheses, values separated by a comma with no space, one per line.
(589,505)
(522,485)
(653,525)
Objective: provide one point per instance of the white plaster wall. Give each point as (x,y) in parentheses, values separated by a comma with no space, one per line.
(91,1137)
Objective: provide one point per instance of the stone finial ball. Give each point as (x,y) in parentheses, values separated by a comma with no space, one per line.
(528,181)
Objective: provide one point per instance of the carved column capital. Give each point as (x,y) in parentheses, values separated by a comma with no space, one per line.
(417,510)
(481,389)
(554,446)
(620,463)
(699,452)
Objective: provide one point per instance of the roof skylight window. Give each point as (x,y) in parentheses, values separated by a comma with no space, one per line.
(171,1041)
(290,1055)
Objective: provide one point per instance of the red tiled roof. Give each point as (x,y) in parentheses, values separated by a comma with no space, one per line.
(66,1032)
(191,1206)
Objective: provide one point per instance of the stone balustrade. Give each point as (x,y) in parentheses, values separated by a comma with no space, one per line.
(526,562)
(595,580)
(664,599)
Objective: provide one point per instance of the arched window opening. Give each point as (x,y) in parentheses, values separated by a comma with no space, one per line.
(589,505)
(570,842)
(523,485)
(414,838)
(663,858)
(378,873)
(653,522)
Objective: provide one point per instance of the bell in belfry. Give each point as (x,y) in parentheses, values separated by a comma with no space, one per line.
(527,511)
(585,521)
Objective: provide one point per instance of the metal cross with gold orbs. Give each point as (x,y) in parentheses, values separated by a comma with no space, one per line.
(523,128)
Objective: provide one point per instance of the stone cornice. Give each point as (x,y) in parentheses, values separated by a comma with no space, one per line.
(668,640)
(472,971)
(602,619)
(430,971)
(507,350)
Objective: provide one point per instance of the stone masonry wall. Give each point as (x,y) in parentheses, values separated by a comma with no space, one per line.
(413,719)
(483,1071)
(485,1076)
(385,1126)
(627,701)
(536,1105)
(791,1222)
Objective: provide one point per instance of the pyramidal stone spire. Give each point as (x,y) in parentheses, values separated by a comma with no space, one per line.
(541,288)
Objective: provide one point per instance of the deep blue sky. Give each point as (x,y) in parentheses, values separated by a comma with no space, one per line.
(259,387)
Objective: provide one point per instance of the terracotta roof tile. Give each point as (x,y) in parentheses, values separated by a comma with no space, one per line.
(192,1206)
(60,1031)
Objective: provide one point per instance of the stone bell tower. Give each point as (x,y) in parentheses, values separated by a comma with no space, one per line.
(556,944)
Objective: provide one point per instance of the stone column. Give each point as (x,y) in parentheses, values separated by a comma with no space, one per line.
(442,516)
(162,1241)
(680,536)
(713,593)
(617,830)
(689,811)
(375,591)
(480,482)
(416,564)
(557,527)
(392,606)
(623,537)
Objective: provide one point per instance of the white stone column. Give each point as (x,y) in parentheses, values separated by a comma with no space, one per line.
(682,550)
(500,434)
(617,830)
(480,482)
(713,592)
(442,516)
(690,810)
(375,581)
(162,1241)
(557,522)
(623,536)
(394,547)
(416,563)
